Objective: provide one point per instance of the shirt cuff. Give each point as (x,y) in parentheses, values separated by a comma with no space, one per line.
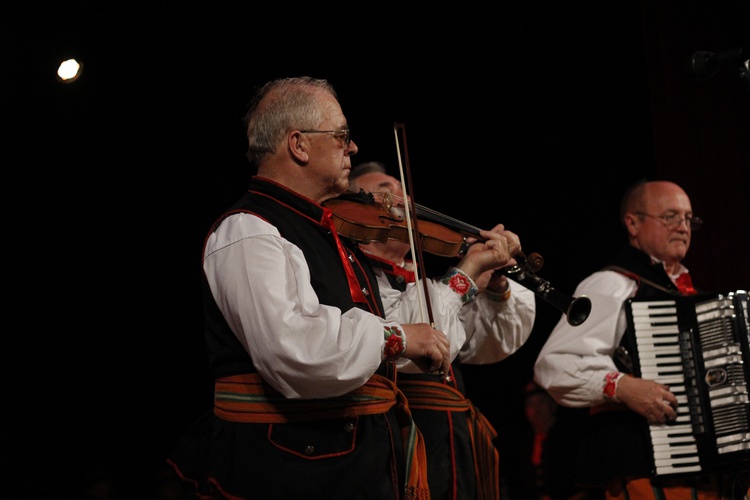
(610,386)
(395,343)
(459,282)
(496,296)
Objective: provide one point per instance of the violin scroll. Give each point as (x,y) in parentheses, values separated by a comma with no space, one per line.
(534,262)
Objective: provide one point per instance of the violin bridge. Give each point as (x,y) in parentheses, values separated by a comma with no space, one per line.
(387,202)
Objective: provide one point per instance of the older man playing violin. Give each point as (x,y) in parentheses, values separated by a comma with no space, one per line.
(494,317)
(305,402)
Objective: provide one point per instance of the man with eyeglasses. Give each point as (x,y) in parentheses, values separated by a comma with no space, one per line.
(494,314)
(589,365)
(303,359)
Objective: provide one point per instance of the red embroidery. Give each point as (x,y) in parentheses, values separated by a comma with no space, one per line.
(610,385)
(394,343)
(460,284)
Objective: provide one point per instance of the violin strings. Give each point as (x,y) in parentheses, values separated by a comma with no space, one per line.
(438,217)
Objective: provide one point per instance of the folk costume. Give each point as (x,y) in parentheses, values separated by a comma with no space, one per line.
(581,365)
(483,328)
(305,402)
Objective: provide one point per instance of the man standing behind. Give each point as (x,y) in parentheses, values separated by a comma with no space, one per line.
(495,317)
(578,367)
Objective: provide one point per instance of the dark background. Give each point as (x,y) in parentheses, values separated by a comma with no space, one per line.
(534,114)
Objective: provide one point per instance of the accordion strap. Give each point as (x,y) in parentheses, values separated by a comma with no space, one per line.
(640,279)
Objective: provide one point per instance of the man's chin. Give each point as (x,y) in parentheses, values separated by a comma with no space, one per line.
(342,185)
(680,251)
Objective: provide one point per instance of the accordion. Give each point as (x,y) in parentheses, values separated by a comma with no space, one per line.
(699,347)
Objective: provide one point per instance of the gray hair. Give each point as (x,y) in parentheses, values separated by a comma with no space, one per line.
(280,106)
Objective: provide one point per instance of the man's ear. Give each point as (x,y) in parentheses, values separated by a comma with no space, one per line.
(631,224)
(298,146)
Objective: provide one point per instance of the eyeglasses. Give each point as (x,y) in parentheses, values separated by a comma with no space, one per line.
(345,131)
(673,221)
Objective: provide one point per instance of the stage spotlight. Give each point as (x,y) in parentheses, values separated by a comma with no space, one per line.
(69,71)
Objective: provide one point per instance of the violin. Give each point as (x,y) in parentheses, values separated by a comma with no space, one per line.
(359,217)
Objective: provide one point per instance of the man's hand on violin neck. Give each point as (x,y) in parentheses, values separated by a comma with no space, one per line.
(514,242)
(428,348)
(488,255)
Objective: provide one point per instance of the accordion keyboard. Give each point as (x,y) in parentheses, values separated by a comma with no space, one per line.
(699,348)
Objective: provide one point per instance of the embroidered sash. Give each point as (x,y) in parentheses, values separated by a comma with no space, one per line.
(246,398)
(437,396)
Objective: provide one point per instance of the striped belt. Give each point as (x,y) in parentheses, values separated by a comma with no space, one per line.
(246,398)
(438,396)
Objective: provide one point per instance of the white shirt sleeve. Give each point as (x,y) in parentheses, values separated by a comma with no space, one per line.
(261,284)
(480,331)
(495,330)
(574,360)
(410,307)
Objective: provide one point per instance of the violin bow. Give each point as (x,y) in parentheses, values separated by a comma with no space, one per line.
(412,225)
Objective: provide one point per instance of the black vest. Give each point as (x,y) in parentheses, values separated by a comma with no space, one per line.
(300,221)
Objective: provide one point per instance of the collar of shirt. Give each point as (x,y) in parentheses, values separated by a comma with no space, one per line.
(681,277)
(393,268)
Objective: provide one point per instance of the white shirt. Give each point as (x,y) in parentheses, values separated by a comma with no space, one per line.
(481,331)
(261,284)
(574,360)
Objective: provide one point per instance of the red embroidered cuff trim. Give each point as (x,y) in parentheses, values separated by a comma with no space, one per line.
(610,386)
(460,283)
(395,343)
